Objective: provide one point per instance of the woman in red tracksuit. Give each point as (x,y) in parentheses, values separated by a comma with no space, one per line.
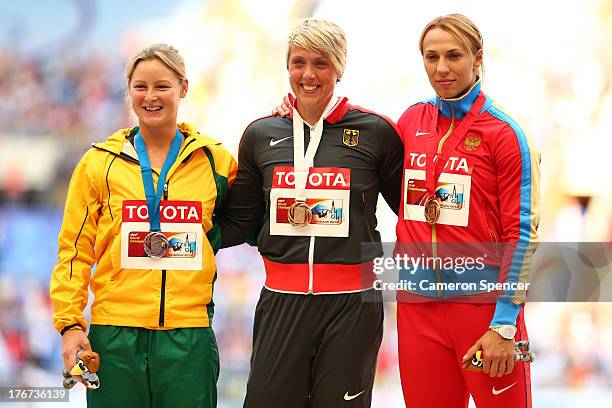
(470,190)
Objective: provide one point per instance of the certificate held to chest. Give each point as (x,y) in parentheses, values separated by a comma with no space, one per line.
(327,196)
(181,223)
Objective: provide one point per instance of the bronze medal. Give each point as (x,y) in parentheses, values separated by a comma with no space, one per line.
(432,210)
(299,214)
(156,244)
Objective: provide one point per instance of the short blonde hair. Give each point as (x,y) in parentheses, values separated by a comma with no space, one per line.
(320,36)
(462,28)
(167,54)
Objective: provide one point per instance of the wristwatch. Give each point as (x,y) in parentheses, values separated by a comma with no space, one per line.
(507,331)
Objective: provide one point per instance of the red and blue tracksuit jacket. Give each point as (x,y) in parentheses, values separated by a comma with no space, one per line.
(489,192)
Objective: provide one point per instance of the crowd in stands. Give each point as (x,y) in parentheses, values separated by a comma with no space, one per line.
(71,96)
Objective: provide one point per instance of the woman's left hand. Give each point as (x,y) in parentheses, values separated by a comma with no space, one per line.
(497,354)
(283,109)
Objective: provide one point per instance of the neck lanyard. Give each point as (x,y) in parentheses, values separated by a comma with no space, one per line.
(433,168)
(302,162)
(153,197)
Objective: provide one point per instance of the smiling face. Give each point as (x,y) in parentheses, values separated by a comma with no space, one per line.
(155,92)
(451,69)
(312,77)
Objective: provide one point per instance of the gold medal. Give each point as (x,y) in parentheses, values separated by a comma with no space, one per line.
(432,210)
(299,214)
(156,244)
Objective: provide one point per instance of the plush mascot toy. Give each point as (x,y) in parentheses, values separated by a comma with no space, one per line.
(522,352)
(87,365)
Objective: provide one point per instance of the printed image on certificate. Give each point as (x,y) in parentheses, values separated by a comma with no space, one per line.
(181,224)
(327,196)
(452,191)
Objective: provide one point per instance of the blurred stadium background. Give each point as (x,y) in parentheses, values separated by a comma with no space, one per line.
(62,87)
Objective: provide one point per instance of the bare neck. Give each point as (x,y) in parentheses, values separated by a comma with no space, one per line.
(311,113)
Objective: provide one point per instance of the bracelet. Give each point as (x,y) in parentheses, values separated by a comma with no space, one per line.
(75,326)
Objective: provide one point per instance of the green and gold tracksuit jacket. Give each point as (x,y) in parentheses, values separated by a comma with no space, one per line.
(106,191)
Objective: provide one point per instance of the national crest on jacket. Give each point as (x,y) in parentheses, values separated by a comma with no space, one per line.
(350,137)
(472,142)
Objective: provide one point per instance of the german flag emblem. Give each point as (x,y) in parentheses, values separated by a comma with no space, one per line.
(350,137)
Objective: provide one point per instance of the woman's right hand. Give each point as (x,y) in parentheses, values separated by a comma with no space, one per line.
(282,109)
(72,341)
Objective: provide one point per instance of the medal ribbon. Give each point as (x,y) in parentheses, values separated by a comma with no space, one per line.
(433,169)
(153,197)
(303,162)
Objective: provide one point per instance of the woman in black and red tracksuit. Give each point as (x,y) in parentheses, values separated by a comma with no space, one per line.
(314,177)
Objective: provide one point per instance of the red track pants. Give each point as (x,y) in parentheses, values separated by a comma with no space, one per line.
(433,338)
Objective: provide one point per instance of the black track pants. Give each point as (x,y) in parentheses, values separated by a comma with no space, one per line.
(315,351)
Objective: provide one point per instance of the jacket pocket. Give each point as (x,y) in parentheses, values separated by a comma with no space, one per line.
(491,228)
(115,252)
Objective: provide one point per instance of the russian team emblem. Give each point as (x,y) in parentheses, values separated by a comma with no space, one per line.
(471,143)
(350,137)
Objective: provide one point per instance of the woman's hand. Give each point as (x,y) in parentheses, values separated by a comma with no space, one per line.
(282,109)
(72,341)
(498,354)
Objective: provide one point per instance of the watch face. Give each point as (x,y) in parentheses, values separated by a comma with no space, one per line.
(507,332)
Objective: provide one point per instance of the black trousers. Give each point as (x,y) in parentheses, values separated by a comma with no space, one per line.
(314,351)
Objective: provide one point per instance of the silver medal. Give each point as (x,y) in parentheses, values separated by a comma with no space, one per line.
(156,244)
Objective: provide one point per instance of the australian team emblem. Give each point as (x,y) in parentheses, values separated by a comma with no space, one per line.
(350,137)
(471,143)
